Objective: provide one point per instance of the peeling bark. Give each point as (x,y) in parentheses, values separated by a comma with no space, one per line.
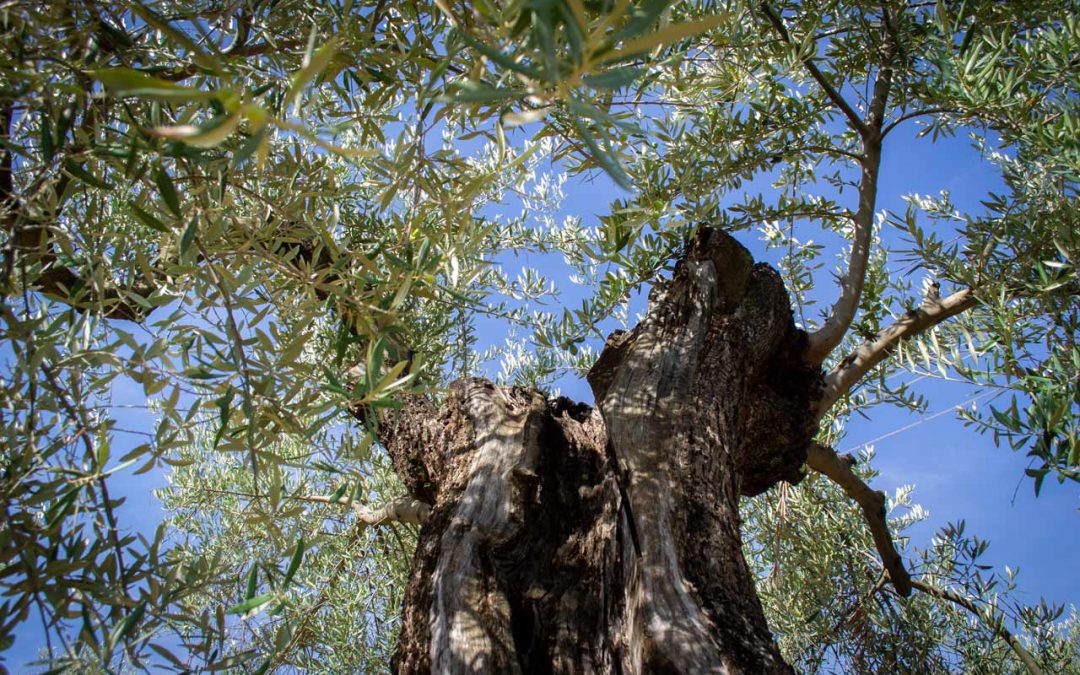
(564,539)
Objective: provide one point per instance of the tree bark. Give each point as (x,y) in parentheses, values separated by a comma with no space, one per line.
(567,539)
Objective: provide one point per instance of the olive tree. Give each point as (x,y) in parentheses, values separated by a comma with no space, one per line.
(285,221)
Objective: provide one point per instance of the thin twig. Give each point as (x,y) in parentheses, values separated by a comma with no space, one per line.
(808,61)
(912,115)
(404,509)
(241,357)
(997,625)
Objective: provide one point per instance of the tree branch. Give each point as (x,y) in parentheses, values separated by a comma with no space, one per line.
(882,85)
(855,365)
(7,189)
(30,239)
(402,510)
(912,115)
(819,77)
(65,285)
(300,630)
(78,417)
(824,340)
(872,502)
(997,625)
(32,242)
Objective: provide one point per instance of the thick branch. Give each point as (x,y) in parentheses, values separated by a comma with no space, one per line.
(7,190)
(997,625)
(872,502)
(824,340)
(31,240)
(855,365)
(882,85)
(64,284)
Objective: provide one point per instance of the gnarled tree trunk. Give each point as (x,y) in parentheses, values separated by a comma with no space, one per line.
(572,540)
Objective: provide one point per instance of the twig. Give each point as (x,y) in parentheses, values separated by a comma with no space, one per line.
(404,509)
(808,61)
(997,625)
(241,358)
(913,114)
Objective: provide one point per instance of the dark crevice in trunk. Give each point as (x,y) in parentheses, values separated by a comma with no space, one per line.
(563,577)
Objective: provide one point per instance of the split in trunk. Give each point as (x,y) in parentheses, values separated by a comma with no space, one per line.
(567,539)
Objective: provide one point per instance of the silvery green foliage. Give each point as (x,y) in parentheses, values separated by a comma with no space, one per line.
(332,609)
(832,609)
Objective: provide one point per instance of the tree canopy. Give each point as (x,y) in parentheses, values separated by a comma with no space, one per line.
(277,218)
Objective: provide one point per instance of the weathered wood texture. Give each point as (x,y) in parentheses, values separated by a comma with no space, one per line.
(569,540)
